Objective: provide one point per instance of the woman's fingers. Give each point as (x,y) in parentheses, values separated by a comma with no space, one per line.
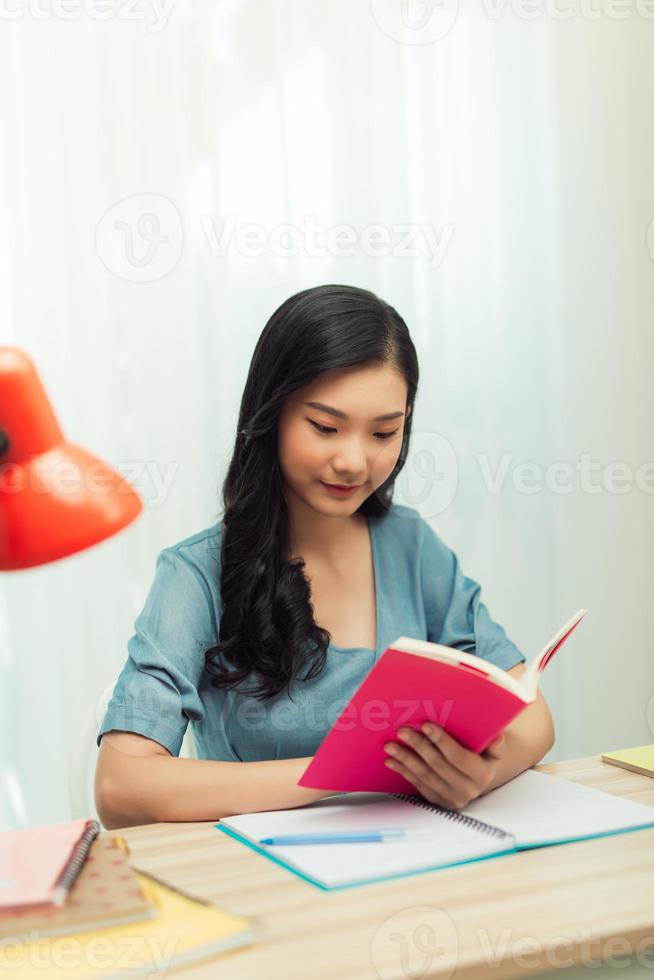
(436,792)
(427,763)
(462,759)
(456,754)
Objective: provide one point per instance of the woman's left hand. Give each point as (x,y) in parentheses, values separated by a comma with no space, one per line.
(442,770)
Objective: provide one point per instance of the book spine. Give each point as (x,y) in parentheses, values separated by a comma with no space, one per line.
(456,816)
(75,864)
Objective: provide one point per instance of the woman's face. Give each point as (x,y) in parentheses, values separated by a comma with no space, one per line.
(316,446)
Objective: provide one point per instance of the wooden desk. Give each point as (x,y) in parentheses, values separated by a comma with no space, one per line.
(533,912)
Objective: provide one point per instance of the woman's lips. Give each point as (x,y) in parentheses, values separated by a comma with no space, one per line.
(340,491)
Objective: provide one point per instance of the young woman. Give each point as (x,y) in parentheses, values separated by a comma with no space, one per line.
(259,628)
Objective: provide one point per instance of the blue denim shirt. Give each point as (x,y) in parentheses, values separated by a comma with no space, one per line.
(421,592)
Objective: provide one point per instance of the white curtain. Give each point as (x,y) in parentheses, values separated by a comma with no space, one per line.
(168,179)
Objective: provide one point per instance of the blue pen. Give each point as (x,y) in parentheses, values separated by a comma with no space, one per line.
(348,837)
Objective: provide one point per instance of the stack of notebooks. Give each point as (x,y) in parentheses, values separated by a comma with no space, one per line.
(532,810)
(71,904)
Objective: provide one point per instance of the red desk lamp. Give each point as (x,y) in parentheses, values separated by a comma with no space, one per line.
(55,497)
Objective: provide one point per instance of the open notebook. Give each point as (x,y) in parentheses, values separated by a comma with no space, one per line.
(532,810)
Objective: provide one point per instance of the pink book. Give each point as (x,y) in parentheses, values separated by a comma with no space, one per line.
(38,865)
(415,681)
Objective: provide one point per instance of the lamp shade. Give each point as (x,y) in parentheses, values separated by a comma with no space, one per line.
(55,497)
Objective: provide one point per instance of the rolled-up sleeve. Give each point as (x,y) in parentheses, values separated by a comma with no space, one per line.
(156,693)
(455,613)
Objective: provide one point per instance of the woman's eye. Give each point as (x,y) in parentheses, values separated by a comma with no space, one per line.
(320,428)
(326,431)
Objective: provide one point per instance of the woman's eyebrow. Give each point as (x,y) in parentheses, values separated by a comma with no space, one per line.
(342,415)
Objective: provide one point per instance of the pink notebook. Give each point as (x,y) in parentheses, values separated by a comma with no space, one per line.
(412,682)
(39,865)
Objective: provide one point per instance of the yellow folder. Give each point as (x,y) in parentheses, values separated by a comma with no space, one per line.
(640,759)
(184,930)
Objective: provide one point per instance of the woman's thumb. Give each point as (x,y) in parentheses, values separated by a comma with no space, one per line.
(497,747)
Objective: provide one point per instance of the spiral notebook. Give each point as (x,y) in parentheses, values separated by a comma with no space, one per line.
(106,892)
(532,810)
(39,865)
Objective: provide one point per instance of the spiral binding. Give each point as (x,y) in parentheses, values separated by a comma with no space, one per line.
(69,874)
(455,815)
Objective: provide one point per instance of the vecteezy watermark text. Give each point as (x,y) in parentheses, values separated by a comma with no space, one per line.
(141,238)
(66,478)
(563,477)
(415,940)
(154,13)
(42,953)
(416,22)
(319,240)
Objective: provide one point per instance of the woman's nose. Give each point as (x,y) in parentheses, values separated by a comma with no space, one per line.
(351,458)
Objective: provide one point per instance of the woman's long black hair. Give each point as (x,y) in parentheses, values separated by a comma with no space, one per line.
(267,630)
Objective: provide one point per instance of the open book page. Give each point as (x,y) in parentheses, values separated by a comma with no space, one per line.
(336,864)
(524,687)
(539,809)
(435,651)
(535,667)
